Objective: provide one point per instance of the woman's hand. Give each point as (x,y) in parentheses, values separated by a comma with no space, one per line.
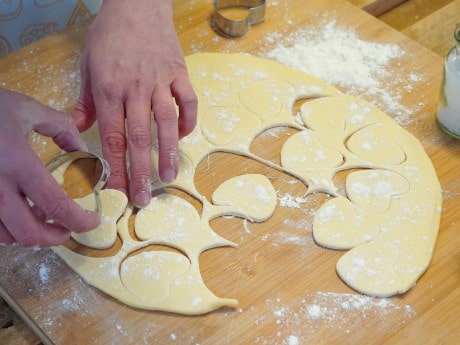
(29,196)
(132,65)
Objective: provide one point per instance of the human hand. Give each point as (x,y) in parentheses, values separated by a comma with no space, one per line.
(23,177)
(132,65)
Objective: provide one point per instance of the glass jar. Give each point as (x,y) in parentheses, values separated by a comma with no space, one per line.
(448,115)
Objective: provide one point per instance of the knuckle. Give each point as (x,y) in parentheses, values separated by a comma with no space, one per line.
(190,101)
(118,178)
(136,85)
(164,113)
(110,89)
(188,104)
(140,137)
(115,142)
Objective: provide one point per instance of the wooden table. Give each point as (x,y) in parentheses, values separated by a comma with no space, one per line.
(432,306)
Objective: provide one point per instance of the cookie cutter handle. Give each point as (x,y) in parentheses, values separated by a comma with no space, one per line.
(73,156)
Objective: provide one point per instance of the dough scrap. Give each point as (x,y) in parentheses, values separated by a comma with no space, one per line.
(388,219)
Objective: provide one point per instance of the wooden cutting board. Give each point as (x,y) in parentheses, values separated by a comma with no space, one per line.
(286,285)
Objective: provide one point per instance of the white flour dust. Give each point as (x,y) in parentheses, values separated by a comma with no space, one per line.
(339,57)
(44,273)
(341,313)
(288,200)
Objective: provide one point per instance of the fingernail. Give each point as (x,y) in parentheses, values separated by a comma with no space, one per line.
(168,176)
(142,198)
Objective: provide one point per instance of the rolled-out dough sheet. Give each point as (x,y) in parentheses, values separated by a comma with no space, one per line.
(386,223)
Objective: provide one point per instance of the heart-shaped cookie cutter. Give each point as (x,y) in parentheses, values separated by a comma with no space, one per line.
(236,28)
(73,156)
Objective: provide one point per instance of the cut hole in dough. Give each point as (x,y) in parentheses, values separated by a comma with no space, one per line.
(386,216)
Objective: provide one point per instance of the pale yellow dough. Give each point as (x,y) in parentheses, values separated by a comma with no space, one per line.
(105,235)
(388,219)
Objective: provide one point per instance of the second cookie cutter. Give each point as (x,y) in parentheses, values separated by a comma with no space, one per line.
(236,28)
(73,156)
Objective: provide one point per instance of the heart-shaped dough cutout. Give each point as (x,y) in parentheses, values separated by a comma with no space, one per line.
(369,269)
(338,226)
(104,236)
(250,196)
(373,190)
(149,274)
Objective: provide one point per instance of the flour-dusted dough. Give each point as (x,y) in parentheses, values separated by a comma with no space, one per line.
(391,206)
(251,196)
(105,234)
(155,279)
(388,217)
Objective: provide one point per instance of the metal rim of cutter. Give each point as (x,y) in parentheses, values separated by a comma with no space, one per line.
(236,28)
(73,156)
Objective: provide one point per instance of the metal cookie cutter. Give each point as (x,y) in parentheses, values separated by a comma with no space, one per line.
(236,28)
(73,156)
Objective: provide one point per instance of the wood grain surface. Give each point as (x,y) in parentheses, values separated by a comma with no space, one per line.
(436,30)
(378,7)
(276,281)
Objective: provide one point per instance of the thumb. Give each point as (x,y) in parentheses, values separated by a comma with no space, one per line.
(59,126)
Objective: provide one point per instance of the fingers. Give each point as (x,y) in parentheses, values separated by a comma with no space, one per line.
(169,129)
(111,121)
(27,225)
(187,101)
(61,128)
(168,135)
(23,177)
(26,229)
(139,148)
(51,200)
(46,121)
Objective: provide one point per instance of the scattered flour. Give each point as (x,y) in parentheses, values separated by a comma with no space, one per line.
(292,340)
(288,200)
(340,313)
(338,56)
(283,237)
(44,273)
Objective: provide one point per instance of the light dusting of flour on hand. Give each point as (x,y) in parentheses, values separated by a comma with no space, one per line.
(339,57)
